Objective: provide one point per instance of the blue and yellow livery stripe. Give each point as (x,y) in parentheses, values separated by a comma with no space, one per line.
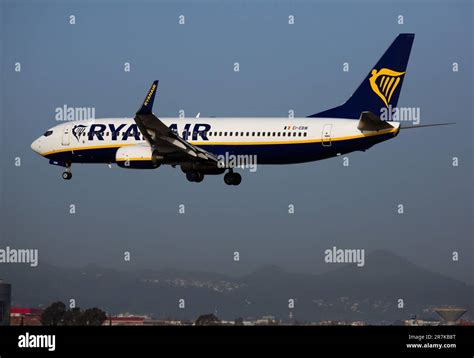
(299,141)
(72,149)
(229,143)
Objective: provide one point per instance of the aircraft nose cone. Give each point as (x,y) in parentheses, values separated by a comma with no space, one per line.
(36,146)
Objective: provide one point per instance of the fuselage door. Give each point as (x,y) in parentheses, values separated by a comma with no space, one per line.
(326,135)
(65,139)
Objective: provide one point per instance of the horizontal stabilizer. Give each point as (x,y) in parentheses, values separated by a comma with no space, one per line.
(370,122)
(427,125)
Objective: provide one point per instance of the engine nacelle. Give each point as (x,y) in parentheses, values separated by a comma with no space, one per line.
(138,157)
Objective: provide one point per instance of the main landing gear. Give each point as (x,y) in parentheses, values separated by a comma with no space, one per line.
(195,177)
(67,175)
(232,178)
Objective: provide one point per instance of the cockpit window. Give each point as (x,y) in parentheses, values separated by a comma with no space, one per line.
(48,133)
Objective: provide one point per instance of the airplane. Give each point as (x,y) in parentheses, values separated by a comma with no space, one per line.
(198,145)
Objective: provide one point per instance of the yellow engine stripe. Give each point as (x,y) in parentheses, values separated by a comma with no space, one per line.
(131,159)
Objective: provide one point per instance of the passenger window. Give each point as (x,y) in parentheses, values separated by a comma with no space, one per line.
(258,134)
(253,134)
(304,135)
(284,134)
(278,134)
(299,134)
(294,134)
(263,134)
(248,134)
(220,134)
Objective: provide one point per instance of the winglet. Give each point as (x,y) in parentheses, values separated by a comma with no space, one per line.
(149,99)
(370,122)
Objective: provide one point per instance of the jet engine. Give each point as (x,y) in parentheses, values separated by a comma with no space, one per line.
(138,157)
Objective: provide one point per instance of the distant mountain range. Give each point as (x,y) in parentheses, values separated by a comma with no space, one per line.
(347,293)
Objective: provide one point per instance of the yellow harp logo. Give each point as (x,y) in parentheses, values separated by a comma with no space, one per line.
(384,82)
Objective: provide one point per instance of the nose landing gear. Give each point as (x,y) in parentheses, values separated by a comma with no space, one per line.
(67,175)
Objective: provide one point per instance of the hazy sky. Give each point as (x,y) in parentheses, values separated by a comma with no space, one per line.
(282,67)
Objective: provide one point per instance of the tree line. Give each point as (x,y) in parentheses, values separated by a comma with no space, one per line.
(58,315)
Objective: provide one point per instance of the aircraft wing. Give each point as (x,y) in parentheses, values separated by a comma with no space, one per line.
(161,137)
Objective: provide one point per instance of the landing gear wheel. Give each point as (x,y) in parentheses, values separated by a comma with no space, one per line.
(195,177)
(191,176)
(199,177)
(237,179)
(67,175)
(232,178)
(228,178)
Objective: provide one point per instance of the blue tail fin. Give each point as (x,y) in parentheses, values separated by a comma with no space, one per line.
(382,85)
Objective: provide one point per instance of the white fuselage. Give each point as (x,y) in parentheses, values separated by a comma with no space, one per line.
(272,140)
